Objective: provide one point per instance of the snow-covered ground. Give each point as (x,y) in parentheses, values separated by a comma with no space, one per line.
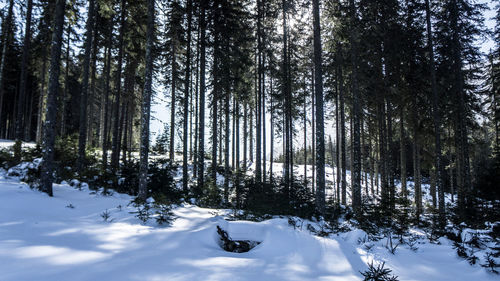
(65,238)
(8,143)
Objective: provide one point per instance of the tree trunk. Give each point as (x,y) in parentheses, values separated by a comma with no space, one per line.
(90,119)
(402,147)
(313,132)
(390,160)
(49,133)
(196,99)
(24,74)
(186,100)
(115,146)
(245,136)
(320,126)
(436,118)
(227,172)
(258,128)
(146,103)
(305,134)
(172,103)
(342,129)
(356,172)
(416,172)
(337,132)
(107,75)
(201,133)
(6,38)
(82,136)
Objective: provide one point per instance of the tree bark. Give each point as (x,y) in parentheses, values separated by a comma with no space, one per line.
(186,100)
(201,133)
(146,102)
(436,117)
(24,74)
(49,133)
(356,172)
(115,146)
(6,38)
(82,136)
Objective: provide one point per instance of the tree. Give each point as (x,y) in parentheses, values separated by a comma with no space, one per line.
(356,173)
(82,136)
(24,74)
(5,43)
(146,102)
(201,111)
(115,145)
(436,115)
(53,90)
(320,133)
(186,99)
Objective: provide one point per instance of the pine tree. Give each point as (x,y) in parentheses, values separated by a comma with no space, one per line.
(82,136)
(53,89)
(146,101)
(320,134)
(20,119)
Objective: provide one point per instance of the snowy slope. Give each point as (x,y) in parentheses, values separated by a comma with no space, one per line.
(42,238)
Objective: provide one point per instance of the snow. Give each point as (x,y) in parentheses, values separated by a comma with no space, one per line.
(66,238)
(8,143)
(43,238)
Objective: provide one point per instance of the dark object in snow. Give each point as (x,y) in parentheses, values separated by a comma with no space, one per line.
(235,246)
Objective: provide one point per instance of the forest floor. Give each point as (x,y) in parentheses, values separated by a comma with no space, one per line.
(80,234)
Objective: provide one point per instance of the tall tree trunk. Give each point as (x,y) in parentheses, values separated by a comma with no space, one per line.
(146,103)
(245,135)
(237,181)
(227,171)
(232,134)
(390,160)
(6,38)
(258,128)
(115,146)
(186,100)
(250,152)
(41,99)
(402,148)
(320,124)
(66,83)
(24,74)
(172,103)
(416,171)
(82,136)
(337,132)
(356,172)
(332,162)
(342,128)
(436,117)
(201,133)
(383,150)
(313,132)
(49,133)
(271,152)
(305,133)
(92,96)
(286,132)
(196,114)
(264,143)
(107,79)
